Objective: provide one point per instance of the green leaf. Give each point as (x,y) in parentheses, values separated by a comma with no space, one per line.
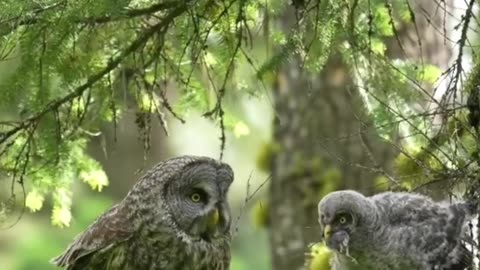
(61,216)
(282,56)
(405,15)
(241,129)
(279,38)
(96,179)
(34,201)
(429,74)
(378,47)
(210,59)
(150,77)
(382,22)
(146,102)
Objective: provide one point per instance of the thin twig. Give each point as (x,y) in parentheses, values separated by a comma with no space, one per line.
(249,197)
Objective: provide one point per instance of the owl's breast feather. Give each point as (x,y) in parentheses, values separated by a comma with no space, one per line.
(169,251)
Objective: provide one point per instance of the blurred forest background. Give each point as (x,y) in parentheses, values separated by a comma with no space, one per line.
(301,97)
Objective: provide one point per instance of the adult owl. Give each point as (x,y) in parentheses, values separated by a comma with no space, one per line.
(394,231)
(176,217)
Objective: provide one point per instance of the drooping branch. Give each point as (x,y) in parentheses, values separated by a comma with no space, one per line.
(141,39)
(218,109)
(131,13)
(9,25)
(461,42)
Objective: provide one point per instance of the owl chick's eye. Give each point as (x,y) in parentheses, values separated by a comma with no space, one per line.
(195,197)
(344,219)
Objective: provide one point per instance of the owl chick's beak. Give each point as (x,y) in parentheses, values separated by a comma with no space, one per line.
(327,232)
(336,239)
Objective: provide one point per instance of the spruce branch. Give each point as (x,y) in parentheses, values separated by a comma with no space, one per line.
(9,25)
(142,39)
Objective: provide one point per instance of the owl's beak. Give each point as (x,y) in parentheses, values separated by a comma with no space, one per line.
(219,219)
(225,218)
(213,220)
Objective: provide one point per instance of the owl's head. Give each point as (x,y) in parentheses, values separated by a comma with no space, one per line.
(196,198)
(342,215)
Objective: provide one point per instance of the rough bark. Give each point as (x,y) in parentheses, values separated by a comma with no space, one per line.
(322,117)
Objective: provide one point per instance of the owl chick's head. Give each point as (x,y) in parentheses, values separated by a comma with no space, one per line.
(342,216)
(190,194)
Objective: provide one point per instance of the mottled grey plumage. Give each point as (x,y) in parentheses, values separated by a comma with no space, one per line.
(175,218)
(394,231)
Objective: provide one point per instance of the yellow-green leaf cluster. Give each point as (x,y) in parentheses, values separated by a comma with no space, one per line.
(62,201)
(34,200)
(319,257)
(259,214)
(96,179)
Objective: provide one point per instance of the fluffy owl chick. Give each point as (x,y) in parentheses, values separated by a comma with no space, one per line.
(394,231)
(176,217)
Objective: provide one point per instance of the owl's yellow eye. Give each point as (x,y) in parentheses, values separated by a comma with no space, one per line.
(195,197)
(342,220)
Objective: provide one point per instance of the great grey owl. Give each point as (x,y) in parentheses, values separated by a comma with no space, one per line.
(394,231)
(176,217)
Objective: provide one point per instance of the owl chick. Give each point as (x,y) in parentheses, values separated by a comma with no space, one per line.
(394,231)
(176,217)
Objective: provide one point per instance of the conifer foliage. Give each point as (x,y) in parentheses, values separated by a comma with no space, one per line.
(67,66)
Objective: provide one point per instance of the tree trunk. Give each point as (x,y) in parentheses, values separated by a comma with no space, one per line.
(321,126)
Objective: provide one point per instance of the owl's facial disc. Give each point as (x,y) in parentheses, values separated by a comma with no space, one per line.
(198,203)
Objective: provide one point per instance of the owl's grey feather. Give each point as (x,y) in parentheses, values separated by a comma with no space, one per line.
(394,231)
(158,226)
